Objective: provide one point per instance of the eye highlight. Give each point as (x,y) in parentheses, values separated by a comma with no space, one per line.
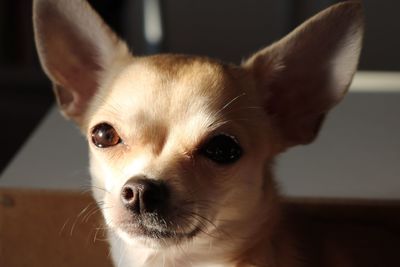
(104,135)
(222,149)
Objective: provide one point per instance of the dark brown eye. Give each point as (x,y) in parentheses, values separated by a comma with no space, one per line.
(104,135)
(222,149)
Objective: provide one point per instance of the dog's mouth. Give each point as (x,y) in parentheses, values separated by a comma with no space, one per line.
(161,229)
(149,209)
(141,230)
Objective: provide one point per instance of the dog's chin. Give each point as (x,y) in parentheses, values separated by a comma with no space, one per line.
(154,236)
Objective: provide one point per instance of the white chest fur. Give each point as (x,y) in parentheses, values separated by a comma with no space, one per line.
(126,254)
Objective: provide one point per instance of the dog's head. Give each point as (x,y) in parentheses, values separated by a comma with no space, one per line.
(181,146)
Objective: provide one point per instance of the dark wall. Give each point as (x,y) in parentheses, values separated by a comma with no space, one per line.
(225,29)
(232,29)
(381,49)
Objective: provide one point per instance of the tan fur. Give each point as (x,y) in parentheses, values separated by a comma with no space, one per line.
(165,107)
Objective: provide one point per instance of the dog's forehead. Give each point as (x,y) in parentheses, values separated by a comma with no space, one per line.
(173,85)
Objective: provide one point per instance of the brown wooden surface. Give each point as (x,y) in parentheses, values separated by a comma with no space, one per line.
(346,233)
(50,229)
(58,228)
(364,211)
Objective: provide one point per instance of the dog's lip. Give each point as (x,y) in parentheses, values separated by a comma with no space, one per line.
(167,234)
(141,230)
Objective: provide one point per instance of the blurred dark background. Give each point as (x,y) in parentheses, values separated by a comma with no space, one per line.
(225,29)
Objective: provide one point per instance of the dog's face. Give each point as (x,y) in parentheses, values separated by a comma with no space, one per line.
(181,147)
(180,153)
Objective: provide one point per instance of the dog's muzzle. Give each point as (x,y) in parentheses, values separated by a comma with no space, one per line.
(151,213)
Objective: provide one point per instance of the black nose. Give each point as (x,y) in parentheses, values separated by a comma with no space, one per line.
(144,195)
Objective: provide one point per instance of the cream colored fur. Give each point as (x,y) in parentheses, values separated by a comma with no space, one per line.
(165,106)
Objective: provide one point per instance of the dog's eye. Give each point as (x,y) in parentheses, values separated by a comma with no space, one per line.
(104,135)
(222,149)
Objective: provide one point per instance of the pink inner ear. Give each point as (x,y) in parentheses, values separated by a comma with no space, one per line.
(306,73)
(301,92)
(70,60)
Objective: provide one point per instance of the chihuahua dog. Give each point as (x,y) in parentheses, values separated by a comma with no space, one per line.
(182,147)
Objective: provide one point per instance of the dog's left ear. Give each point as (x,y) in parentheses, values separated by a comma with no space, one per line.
(307,72)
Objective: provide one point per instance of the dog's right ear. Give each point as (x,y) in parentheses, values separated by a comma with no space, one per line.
(75,49)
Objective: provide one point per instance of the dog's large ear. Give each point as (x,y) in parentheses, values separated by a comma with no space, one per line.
(307,72)
(75,48)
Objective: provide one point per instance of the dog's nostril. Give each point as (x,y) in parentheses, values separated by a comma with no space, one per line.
(144,195)
(130,197)
(127,194)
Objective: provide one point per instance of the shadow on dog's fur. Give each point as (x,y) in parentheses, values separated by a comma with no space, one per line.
(181,147)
